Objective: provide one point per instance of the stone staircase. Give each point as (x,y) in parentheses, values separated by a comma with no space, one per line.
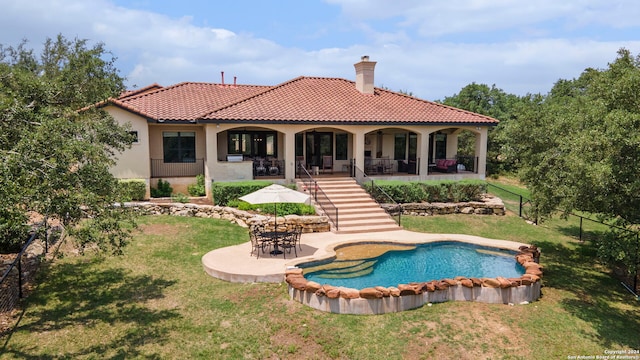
(357,211)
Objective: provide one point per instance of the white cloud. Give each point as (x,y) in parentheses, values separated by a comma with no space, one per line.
(404,37)
(434,18)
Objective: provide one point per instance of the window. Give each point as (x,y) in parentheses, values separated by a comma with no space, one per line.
(400,147)
(134,135)
(179,147)
(318,144)
(253,143)
(299,144)
(413,146)
(341,146)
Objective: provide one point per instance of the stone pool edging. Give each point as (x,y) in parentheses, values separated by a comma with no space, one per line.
(382,300)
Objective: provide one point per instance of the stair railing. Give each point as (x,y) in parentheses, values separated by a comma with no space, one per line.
(377,193)
(319,196)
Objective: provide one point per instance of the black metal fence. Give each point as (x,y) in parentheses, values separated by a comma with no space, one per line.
(13,281)
(578,226)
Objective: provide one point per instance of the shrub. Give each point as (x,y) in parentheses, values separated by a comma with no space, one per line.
(283,208)
(223,192)
(180,197)
(132,189)
(197,189)
(164,189)
(227,194)
(428,191)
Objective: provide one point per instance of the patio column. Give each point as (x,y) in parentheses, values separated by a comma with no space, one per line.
(481,150)
(290,155)
(452,144)
(211,157)
(358,149)
(423,152)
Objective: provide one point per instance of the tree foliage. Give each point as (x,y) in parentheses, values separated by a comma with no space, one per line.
(490,101)
(56,148)
(578,148)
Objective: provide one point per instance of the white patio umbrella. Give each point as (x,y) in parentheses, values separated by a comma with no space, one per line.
(276,194)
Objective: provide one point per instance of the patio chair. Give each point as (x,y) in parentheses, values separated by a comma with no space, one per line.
(289,241)
(258,242)
(260,168)
(387,166)
(298,233)
(327,163)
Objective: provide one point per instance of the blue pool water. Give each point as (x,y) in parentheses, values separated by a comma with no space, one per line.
(432,261)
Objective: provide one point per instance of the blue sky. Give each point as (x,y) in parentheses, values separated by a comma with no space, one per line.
(429,48)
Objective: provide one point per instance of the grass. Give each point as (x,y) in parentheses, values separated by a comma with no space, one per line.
(156,302)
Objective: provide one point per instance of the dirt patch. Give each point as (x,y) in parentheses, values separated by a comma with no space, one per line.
(161,229)
(494,335)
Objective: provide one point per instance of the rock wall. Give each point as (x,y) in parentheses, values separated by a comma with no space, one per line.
(382,300)
(488,205)
(233,215)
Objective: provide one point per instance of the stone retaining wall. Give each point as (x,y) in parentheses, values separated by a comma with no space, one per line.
(488,205)
(382,300)
(233,215)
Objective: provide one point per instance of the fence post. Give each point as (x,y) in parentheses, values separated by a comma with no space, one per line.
(580,229)
(520,211)
(46,235)
(635,278)
(20,276)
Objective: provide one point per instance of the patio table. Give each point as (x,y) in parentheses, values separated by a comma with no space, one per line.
(275,237)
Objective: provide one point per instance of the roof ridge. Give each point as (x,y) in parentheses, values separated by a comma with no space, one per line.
(134,92)
(270,89)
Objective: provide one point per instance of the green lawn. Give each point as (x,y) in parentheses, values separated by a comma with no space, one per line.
(156,302)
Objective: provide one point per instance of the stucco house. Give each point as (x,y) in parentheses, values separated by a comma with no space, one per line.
(232,132)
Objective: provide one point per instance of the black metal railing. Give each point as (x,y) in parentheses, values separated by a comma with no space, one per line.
(469,163)
(13,279)
(160,169)
(319,196)
(377,193)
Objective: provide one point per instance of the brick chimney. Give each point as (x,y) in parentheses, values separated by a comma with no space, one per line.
(364,75)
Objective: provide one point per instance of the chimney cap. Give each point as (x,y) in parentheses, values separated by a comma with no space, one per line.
(364,58)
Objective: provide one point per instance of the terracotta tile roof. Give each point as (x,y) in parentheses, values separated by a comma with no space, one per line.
(303,99)
(185,101)
(313,99)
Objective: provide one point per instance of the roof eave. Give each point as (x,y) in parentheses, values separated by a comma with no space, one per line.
(342,122)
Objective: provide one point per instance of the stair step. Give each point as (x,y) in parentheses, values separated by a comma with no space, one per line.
(362,216)
(367,223)
(361,230)
(339,200)
(357,211)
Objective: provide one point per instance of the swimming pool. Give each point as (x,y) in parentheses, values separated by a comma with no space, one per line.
(415,287)
(373,264)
